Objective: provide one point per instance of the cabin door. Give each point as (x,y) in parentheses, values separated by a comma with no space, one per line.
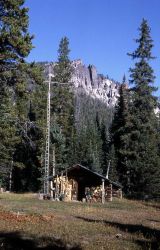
(81,191)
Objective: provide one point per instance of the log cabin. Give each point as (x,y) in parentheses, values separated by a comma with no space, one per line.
(78,183)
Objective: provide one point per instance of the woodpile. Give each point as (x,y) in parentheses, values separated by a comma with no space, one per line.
(67,190)
(93,194)
(64,189)
(117,193)
(108,193)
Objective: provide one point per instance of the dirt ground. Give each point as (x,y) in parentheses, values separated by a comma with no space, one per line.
(29,223)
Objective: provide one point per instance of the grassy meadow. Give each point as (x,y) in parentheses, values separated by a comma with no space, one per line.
(29,223)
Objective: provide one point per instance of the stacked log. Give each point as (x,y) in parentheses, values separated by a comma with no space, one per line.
(67,190)
(117,193)
(108,193)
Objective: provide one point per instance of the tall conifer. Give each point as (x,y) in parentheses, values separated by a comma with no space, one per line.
(144,169)
(63,102)
(120,135)
(16,77)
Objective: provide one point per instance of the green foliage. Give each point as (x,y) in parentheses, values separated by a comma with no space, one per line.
(63,68)
(93,119)
(32,130)
(112,164)
(18,80)
(145,163)
(134,128)
(120,135)
(15,41)
(8,134)
(62,109)
(15,44)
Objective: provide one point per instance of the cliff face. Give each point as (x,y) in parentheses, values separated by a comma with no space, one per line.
(87,80)
(94,84)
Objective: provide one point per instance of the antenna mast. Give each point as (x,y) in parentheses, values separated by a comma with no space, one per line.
(46,170)
(47,147)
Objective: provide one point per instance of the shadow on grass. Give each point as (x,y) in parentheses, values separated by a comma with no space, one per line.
(17,241)
(151,236)
(157,206)
(158,221)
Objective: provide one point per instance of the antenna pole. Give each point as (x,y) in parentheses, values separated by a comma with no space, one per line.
(46,186)
(109,163)
(46,175)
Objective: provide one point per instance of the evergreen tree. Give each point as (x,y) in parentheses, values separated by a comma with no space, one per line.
(62,103)
(8,135)
(31,117)
(63,68)
(15,41)
(92,122)
(15,44)
(144,168)
(112,164)
(120,136)
(17,78)
(104,148)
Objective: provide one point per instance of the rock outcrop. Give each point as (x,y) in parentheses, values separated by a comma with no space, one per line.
(86,79)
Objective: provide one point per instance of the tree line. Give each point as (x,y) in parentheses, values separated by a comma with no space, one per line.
(123,139)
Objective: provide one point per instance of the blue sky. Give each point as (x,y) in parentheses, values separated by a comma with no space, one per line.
(100,32)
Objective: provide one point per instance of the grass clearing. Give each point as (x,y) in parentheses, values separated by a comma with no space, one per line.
(29,223)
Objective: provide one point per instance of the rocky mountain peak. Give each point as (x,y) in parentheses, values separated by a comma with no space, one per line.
(86,79)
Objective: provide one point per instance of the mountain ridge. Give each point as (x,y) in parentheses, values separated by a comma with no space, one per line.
(87,79)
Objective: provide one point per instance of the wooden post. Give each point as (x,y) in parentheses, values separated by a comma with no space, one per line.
(120,194)
(54,161)
(10,177)
(111,192)
(61,183)
(51,188)
(103,192)
(57,189)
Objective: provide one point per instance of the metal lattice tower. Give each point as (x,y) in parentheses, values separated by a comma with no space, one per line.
(46,170)
(47,148)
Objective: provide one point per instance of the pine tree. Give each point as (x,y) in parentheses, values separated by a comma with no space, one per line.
(63,68)
(38,103)
(92,122)
(120,136)
(144,168)
(15,41)
(62,103)
(30,102)
(112,164)
(16,77)
(8,135)
(105,148)
(31,113)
